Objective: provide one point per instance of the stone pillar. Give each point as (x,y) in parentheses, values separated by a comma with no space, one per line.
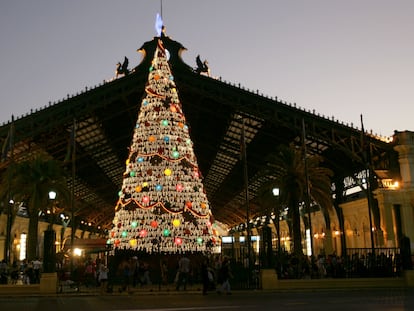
(405,149)
(2,247)
(268,278)
(48,283)
(409,278)
(236,246)
(379,237)
(328,242)
(379,195)
(387,219)
(407,217)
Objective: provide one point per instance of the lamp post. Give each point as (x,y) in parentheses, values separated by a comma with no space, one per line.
(51,211)
(72,193)
(307,192)
(276,194)
(49,247)
(247,200)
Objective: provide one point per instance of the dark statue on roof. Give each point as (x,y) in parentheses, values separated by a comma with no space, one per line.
(122,69)
(202,66)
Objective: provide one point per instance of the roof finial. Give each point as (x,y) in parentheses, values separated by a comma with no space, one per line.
(158,25)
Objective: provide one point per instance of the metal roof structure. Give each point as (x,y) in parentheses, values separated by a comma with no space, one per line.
(217,113)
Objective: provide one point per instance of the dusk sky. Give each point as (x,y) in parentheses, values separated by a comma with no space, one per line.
(340,58)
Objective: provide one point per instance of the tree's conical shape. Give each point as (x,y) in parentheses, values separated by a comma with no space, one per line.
(162,205)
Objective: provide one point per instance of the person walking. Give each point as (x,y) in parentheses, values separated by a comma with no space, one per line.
(164,272)
(90,274)
(103,278)
(37,266)
(183,272)
(205,275)
(4,271)
(224,276)
(136,278)
(126,272)
(146,274)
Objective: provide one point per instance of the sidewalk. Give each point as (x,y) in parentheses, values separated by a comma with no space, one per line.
(195,289)
(34,290)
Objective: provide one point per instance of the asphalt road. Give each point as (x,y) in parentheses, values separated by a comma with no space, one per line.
(339,300)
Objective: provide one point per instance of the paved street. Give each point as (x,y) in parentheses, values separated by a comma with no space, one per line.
(339,300)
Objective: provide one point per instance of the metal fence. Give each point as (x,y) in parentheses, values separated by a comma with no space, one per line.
(377,262)
(355,263)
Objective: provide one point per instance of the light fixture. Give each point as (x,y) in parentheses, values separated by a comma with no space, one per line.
(52,195)
(77,252)
(23,241)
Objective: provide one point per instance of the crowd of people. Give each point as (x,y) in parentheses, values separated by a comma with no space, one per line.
(181,272)
(215,273)
(21,272)
(334,266)
(87,272)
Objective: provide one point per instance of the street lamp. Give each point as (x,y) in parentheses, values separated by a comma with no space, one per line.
(52,195)
(276,194)
(51,211)
(49,247)
(247,199)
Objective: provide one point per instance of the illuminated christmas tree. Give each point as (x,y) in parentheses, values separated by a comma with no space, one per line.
(162,205)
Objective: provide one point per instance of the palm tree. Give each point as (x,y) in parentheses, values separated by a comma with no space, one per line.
(291,171)
(30,181)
